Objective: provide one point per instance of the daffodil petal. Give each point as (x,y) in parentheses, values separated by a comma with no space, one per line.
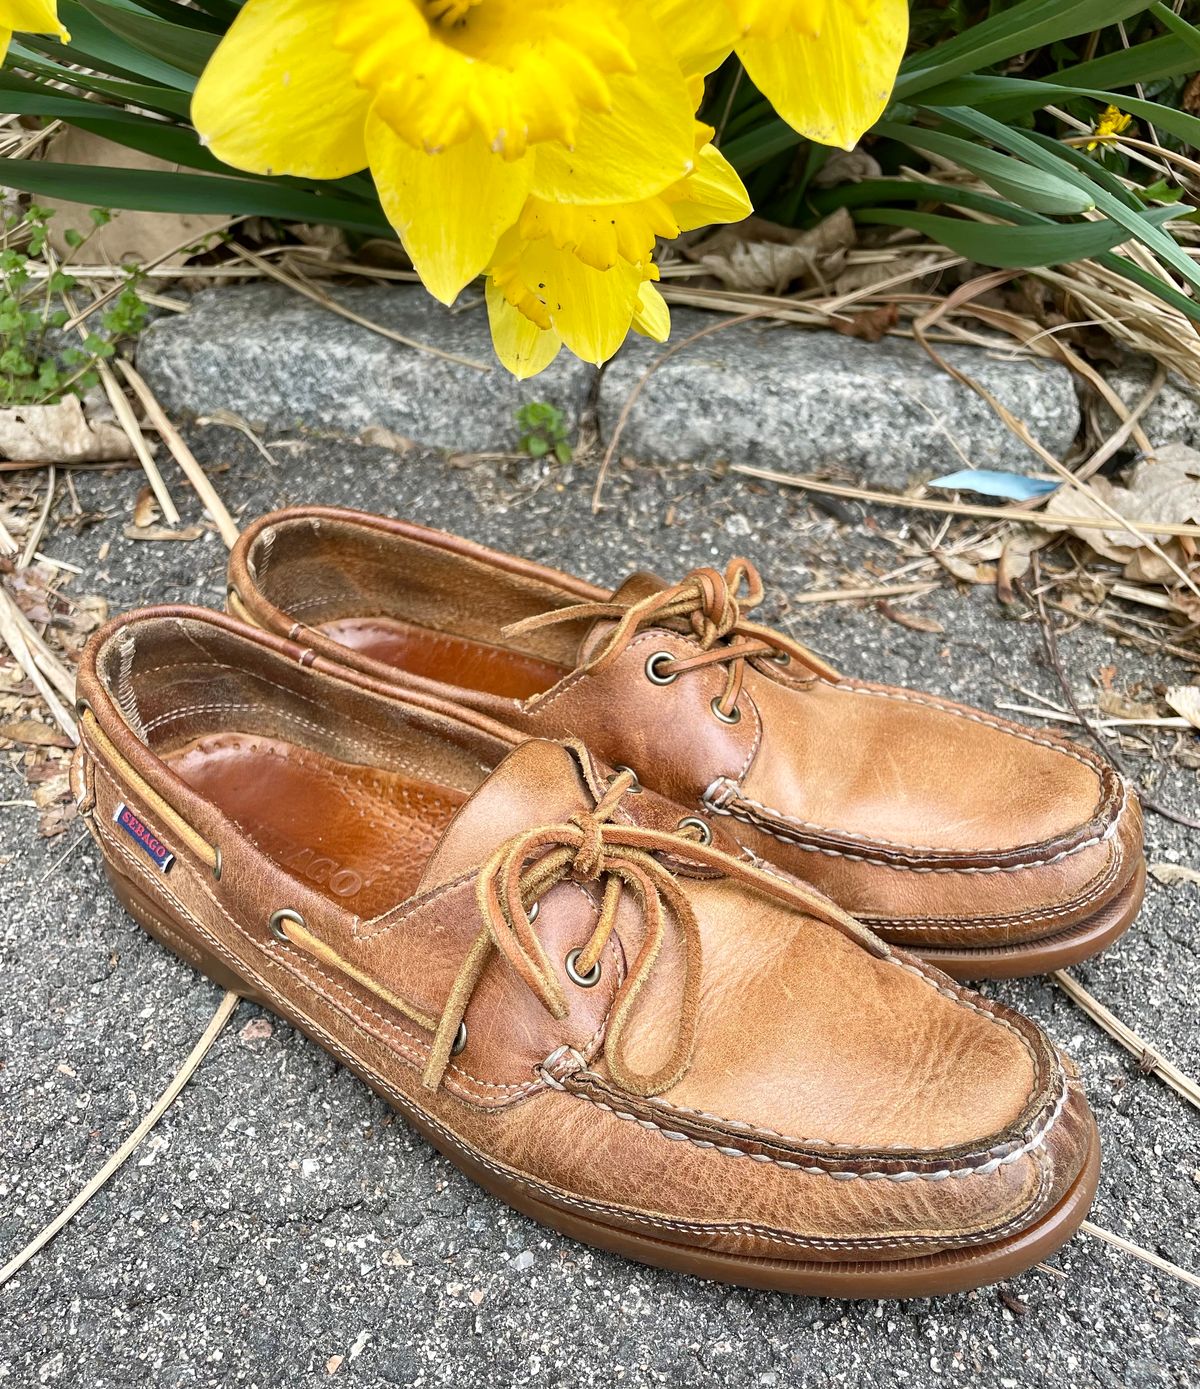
(700,36)
(523,347)
(590,309)
(638,147)
(713,193)
(833,86)
(651,317)
(278,98)
(449,208)
(31,17)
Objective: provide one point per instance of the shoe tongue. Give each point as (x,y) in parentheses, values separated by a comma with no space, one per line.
(538,783)
(636,587)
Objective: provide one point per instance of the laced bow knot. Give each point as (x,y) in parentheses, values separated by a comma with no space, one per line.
(719,609)
(712,605)
(592,847)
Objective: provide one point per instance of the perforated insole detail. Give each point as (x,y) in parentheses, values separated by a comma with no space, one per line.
(473,665)
(359,835)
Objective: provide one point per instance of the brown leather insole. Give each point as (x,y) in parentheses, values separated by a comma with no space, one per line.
(359,835)
(454,660)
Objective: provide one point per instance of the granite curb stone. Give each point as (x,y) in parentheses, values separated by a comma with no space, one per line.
(767,394)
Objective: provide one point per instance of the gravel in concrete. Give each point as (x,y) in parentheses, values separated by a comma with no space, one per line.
(282,1228)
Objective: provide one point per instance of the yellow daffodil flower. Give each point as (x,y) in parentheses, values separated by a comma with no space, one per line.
(28,17)
(827,66)
(1109,124)
(582,276)
(463,109)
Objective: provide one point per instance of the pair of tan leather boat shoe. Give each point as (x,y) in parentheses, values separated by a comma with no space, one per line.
(640,912)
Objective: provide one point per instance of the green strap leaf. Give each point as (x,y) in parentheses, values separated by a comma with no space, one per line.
(150,191)
(1114,207)
(1008,247)
(1014,178)
(186,49)
(1018,29)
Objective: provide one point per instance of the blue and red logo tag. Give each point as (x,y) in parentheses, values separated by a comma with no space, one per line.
(144,838)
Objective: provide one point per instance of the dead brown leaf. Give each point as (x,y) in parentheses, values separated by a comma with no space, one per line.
(376,436)
(1164,489)
(61,434)
(913,621)
(1185,700)
(761,257)
(34,734)
(964,569)
(870,325)
(1119,706)
(846,166)
(145,509)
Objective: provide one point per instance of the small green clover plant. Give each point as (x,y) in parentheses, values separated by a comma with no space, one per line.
(36,368)
(543,431)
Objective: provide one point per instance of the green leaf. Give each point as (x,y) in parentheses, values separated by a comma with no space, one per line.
(165,100)
(750,151)
(1017,142)
(150,191)
(1013,178)
(1189,34)
(1018,29)
(1152,61)
(1008,247)
(95,46)
(186,49)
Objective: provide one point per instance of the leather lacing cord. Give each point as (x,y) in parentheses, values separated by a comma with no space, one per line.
(709,602)
(589,847)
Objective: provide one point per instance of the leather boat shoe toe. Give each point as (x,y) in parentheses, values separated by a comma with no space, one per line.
(629,1032)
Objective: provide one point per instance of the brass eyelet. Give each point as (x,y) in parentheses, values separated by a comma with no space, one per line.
(585,981)
(637,788)
(782,658)
(734,716)
(460,1039)
(652,672)
(218,862)
(693,822)
(532,911)
(275,924)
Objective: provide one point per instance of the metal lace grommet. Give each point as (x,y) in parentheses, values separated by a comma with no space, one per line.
(218,863)
(693,822)
(275,924)
(585,981)
(83,706)
(637,788)
(735,716)
(782,658)
(654,675)
(532,910)
(460,1039)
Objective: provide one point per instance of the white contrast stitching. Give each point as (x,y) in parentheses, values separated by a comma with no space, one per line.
(1031,1144)
(734,798)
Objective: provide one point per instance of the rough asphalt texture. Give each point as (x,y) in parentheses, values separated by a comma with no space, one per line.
(280,1216)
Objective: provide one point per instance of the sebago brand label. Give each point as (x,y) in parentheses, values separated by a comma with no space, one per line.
(144,838)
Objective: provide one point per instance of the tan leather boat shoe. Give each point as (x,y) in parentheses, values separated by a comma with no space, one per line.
(632,1036)
(991,849)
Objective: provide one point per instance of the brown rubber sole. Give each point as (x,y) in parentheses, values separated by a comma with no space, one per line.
(932,1275)
(1084,939)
